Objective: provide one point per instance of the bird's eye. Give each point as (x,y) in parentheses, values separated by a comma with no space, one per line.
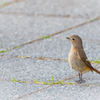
(73,39)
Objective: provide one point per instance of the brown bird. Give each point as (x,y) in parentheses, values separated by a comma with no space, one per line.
(78,59)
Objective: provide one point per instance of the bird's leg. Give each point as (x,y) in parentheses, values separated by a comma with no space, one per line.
(80,76)
(80,79)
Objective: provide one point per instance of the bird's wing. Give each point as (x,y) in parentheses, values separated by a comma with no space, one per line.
(83,57)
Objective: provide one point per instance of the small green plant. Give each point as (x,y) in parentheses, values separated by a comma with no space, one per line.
(23,81)
(61,82)
(10,48)
(53,79)
(18,46)
(97,61)
(50,83)
(87,84)
(2,51)
(66,59)
(88,21)
(70,83)
(20,56)
(96,19)
(39,57)
(90,61)
(14,80)
(45,37)
(36,81)
(5,3)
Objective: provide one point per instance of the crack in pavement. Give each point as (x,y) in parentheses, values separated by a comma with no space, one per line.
(47,86)
(40,58)
(9,3)
(53,85)
(32,15)
(43,58)
(45,15)
(37,90)
(32,92)
(46,37)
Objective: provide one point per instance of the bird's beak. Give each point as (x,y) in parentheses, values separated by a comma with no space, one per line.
(67,38)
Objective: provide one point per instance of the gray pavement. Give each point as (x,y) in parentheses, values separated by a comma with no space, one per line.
(24,21)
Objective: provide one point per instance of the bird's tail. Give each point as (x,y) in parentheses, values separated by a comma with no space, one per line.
(96,70)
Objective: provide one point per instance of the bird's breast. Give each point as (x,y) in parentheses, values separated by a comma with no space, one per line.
(75,62)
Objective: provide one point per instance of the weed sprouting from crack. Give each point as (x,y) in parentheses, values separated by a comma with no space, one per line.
(18,47)
(14,80)
(95,61)
(2,51)
(60,82)
(50,83)
(5,3)
(47,58)
(45,37)
(9,3)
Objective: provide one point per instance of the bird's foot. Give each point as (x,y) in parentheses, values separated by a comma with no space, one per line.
(80,81)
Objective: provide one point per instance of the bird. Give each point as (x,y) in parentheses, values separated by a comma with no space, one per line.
(77,58)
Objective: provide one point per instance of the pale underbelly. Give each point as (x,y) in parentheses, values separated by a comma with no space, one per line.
(78,65)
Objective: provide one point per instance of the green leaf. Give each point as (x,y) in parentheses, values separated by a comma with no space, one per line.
(18,46)
(87,84)
(90,61)
(10,48)
(70,83)
(23,81)
(39,57)
(97,61)
(14,80)
(53,78)
(49,84)
(20,56)
(35,81)
(5,3)
(45,37)
(62,82)
(44,83)
(3,51)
